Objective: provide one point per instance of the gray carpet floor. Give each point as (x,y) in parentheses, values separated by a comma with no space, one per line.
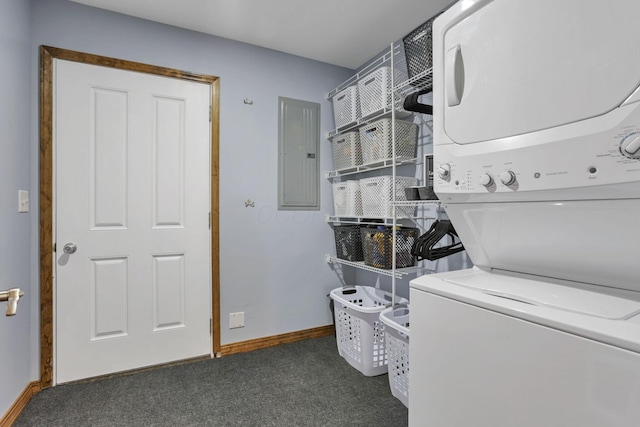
(294,385)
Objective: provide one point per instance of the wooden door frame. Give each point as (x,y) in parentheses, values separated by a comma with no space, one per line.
(47,252)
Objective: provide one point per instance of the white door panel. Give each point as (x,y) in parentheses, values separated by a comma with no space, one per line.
(133,193)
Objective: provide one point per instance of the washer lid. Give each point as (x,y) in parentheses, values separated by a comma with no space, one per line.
(567,306)
(544,294)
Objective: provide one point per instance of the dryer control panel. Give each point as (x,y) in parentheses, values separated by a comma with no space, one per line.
(547,161)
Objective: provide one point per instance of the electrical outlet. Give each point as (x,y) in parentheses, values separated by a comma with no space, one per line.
(236,320)
(23,201)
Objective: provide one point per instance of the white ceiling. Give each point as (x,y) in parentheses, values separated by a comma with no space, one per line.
(340,32)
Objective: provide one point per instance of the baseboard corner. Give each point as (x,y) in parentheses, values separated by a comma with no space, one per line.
(14,410)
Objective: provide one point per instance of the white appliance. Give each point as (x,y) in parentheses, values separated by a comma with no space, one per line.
(537,157)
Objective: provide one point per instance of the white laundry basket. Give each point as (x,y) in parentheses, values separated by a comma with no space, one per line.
(396,321)
(359,332)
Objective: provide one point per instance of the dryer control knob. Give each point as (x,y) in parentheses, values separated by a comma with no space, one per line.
(444,170)
(486,180)
(631,146)
(508,177)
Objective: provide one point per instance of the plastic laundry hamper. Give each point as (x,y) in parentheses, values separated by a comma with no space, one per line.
(359,331)
(396,321)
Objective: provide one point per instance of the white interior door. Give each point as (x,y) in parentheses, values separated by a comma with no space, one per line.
(132,180)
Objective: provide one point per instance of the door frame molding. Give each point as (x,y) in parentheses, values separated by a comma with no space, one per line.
(47,253)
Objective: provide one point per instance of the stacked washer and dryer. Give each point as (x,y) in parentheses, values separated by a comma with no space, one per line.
(537,150)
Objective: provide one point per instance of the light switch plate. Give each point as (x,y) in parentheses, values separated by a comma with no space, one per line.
(23,201)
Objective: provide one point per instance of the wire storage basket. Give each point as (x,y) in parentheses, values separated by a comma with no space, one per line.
(377,246)
(418,52)
(348,242)
(376,195)
(376,140)
(359,331)
(347,199)
(375,91)
(346,106)
(396,332)
(347,151)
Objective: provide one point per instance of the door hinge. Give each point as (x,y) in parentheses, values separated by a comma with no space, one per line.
(209,220)
(210,327)
(209,113)
(54,247)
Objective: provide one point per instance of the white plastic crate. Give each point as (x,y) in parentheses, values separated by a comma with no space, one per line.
(377,192)
(396,332)
(374,90)
(346,109)
(347,152)
(347,200)
(376,140)
(359,331)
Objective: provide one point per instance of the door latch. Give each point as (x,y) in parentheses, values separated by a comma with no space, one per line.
(11,297)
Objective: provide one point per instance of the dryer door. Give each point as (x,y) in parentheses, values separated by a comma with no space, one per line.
(510,67)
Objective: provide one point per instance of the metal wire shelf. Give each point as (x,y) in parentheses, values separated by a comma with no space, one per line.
(420,83)
(409,86)
(416,203)
(386,163)
(357,220)
(385,112)
(399,272)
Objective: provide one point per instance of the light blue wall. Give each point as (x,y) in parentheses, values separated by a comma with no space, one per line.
(272,265)
(15,167)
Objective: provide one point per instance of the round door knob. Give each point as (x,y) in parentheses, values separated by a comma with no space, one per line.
(508,177)
(444,171)
(70,248)
(486,180)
